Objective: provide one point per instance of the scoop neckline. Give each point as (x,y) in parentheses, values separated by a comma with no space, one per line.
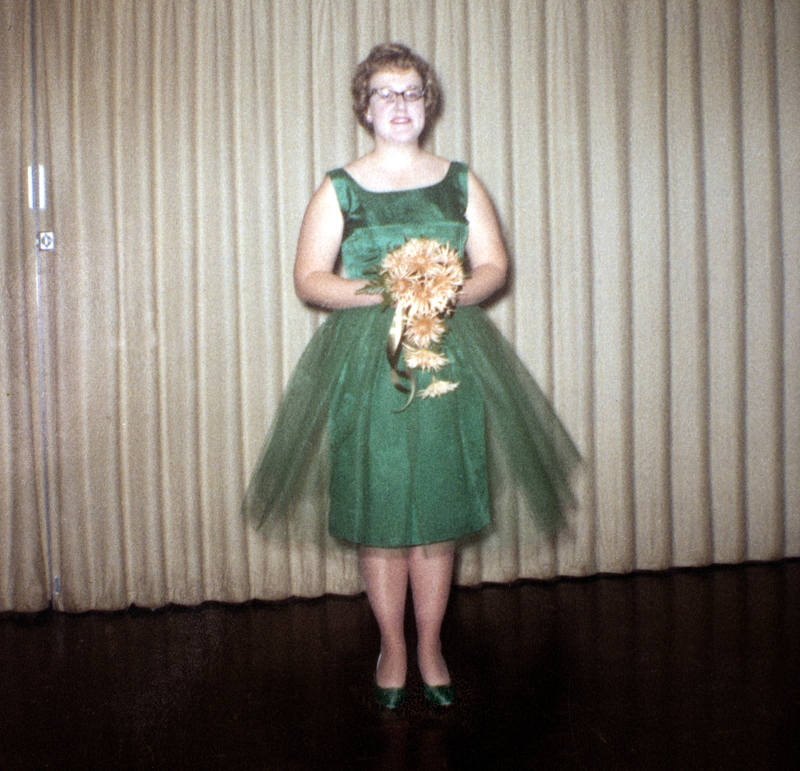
(450,166)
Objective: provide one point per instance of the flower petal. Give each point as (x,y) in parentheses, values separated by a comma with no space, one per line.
(438,388)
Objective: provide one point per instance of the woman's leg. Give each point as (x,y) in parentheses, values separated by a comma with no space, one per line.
(430,570)
(385,574)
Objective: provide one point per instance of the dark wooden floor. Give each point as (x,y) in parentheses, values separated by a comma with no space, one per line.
(681,670)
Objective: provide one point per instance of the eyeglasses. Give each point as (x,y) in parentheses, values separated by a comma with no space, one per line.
(388,96)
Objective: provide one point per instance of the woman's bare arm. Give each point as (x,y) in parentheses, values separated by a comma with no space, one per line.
(317,251)
(486,253)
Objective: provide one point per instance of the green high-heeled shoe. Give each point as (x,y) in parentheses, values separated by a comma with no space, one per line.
(440,695)
(390,698)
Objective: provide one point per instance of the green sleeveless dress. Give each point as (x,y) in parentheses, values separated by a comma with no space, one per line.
(339,446)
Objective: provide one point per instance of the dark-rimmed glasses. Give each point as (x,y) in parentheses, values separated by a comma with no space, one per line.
(389,96)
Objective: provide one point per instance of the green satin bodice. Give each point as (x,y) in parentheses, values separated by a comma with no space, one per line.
(377,223)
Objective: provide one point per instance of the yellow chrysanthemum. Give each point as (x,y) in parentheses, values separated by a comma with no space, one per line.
(438,388)
(447,281)
(424,330)
(421,254)
(423,276)
(402,289)
(424,359)
(396,266)
(423,301)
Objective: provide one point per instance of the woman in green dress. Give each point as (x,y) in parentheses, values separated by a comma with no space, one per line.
(406,480)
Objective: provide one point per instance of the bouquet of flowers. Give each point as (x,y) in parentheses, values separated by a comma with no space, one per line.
(421,279)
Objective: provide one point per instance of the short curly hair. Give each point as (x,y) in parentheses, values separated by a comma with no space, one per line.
(394,56)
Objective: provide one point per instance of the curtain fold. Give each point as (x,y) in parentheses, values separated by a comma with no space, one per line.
(643,156)
(650,248)
(787,75)
(23,487)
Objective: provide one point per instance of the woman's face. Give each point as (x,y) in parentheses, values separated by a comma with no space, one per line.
(395,119)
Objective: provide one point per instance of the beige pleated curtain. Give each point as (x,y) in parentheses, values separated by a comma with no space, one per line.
(644,157)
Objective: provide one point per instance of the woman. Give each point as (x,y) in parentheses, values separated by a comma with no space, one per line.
(407,478)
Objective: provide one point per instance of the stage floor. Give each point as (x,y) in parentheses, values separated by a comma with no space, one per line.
(696,669)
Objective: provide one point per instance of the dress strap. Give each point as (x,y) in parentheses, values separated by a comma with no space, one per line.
(345,190)
(459,171)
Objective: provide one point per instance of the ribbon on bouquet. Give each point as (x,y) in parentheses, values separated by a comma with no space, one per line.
(394,347)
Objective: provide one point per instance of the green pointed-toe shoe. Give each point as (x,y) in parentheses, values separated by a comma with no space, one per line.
(440,695)
(390,698)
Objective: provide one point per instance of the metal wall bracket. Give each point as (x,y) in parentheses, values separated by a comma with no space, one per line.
(46,242)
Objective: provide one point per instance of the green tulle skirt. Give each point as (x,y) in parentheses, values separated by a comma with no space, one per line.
(341,458)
